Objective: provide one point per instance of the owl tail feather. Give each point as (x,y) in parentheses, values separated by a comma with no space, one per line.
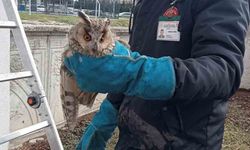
(69,91)
(72,96)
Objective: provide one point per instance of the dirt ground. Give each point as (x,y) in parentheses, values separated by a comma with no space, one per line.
(236,137)
(237,127)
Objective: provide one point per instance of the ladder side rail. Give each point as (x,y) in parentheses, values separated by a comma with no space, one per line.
(29,64)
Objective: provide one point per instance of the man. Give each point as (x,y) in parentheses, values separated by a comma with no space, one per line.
(161,36)
(171,93)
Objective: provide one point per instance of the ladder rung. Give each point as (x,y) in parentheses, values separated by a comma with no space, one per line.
(22,132)
(14,76)
(7,24)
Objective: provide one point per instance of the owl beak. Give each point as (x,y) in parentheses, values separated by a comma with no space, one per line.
(95,48)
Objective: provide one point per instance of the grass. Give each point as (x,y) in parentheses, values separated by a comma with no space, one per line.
(46,18)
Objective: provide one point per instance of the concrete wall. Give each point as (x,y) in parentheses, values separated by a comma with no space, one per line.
(4,87)
(245,84)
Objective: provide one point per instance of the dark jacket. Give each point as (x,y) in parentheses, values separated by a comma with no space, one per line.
(208,63)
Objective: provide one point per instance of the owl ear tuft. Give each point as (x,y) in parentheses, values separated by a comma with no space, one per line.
(107,21)
(84,18)
(106,24)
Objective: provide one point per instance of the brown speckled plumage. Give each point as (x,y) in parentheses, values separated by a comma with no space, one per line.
(92,37)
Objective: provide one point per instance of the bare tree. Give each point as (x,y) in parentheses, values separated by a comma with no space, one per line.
(46,6)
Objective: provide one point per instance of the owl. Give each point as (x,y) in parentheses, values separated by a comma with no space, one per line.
(90,37)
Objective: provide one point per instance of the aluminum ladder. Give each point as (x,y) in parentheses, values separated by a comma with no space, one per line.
(37,98)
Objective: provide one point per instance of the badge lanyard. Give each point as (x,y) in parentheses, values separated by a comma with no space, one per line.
(168,24)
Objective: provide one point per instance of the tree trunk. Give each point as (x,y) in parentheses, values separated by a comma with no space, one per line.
(25,3)
(53,1)
(46,6)
(66,6)
(80,3)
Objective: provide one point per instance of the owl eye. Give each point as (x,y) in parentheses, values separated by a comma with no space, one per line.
(102,39)
(87,37)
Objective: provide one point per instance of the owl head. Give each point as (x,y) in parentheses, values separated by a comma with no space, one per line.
(93,35)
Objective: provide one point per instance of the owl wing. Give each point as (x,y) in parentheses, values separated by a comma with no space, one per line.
(71,95)
(69,92)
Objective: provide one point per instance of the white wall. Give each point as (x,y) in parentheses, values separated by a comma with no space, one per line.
(245,83)
(4,87)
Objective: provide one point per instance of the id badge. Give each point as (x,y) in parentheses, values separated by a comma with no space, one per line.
(168,29)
